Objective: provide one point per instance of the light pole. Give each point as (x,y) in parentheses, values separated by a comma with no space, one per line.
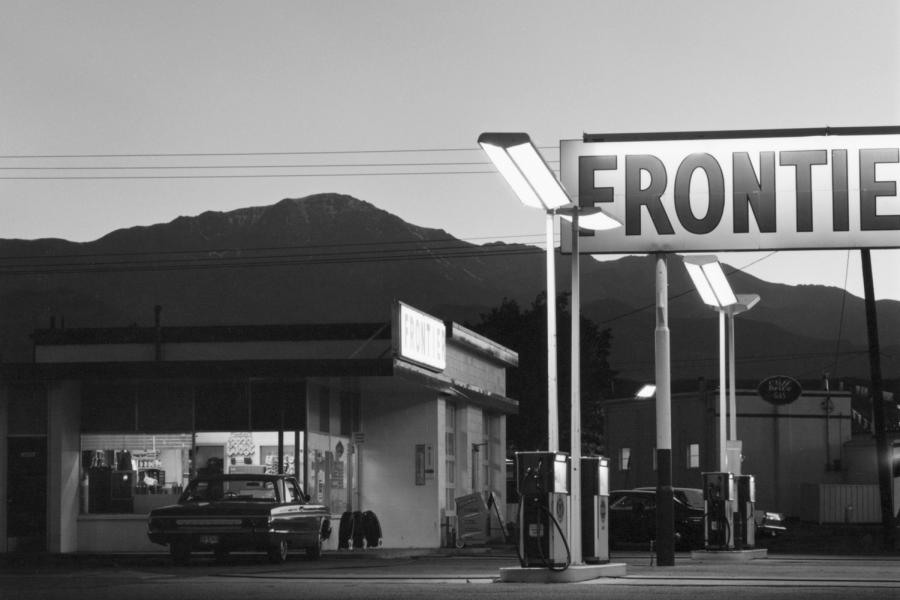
(507,151)
(744,303)
(712,285)
(523,167)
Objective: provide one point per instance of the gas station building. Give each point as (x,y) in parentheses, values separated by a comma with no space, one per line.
(398,418)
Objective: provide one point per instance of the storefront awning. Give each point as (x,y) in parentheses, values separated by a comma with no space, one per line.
(207,369)
(455,389)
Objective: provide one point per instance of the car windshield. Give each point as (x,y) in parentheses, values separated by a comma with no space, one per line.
(693,497)
(634,502)
(213,490)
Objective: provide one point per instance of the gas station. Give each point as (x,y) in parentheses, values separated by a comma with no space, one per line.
(682,193)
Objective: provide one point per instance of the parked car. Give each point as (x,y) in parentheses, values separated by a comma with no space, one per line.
(768,523)
(225,513)
(632,520)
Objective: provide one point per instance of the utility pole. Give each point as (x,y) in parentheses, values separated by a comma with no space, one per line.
(881,448)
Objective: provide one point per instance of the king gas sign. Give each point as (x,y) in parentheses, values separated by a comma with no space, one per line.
(779,389)
(773,190)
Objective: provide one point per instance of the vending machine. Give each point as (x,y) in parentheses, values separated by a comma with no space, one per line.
(719,495)
(595,509)
(543,484)
(744,520)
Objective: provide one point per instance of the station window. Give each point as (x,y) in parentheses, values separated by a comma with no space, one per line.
(624,459)
(332,464)
(141,442)
(693,456)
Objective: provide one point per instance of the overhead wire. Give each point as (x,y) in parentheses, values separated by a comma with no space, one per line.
(225,249)
(262,153)
(676,295)
(279,166)
(372,252)
(352,168)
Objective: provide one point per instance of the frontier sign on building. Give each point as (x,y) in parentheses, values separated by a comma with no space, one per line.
(751,190)
(419,337)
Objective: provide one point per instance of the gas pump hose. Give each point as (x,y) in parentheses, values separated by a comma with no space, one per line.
(719,518)
(540,548)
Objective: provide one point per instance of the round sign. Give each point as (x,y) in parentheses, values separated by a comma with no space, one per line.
(779,389)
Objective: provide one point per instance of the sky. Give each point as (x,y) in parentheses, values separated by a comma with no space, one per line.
(120,113)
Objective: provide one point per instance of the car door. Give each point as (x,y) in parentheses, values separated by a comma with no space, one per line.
(626,523)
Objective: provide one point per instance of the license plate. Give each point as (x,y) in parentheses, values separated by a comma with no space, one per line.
(209,540)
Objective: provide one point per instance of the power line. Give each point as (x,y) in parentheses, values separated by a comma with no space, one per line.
(253,176)
(280,166)
(264,153)
(227,249)
(320,258)
(677,295)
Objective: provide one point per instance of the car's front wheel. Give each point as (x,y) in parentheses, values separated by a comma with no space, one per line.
(278,553)
(180,551)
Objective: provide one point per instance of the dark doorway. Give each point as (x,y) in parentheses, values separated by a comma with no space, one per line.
(26,500)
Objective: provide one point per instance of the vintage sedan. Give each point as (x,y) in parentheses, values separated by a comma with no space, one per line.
(225,513)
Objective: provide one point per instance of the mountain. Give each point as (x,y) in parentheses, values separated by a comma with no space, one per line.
(334,258)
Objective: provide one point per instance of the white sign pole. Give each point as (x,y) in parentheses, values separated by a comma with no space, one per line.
(575,453)
(665,543)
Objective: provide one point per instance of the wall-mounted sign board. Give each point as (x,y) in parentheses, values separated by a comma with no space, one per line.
(779,389)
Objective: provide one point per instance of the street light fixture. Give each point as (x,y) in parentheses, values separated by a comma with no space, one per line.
(710,281)
(712,285)
(523,167)
(648,390)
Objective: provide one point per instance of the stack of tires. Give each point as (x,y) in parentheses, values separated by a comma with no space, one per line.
(359,529)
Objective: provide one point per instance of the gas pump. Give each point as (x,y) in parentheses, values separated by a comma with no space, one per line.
(595,509)
(719,494)
(543,480)
(744,520)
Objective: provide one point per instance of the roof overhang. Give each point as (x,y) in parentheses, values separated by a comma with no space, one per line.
(455,389)
(223,369)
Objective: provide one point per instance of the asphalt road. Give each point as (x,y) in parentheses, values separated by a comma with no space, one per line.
(437,578)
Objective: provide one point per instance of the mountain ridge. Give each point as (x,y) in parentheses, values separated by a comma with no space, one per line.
(334,258)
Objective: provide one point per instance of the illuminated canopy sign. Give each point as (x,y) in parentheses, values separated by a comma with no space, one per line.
(751,190)
(419,337)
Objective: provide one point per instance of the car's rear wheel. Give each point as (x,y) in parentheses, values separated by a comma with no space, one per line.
(180,551)
(278,553)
